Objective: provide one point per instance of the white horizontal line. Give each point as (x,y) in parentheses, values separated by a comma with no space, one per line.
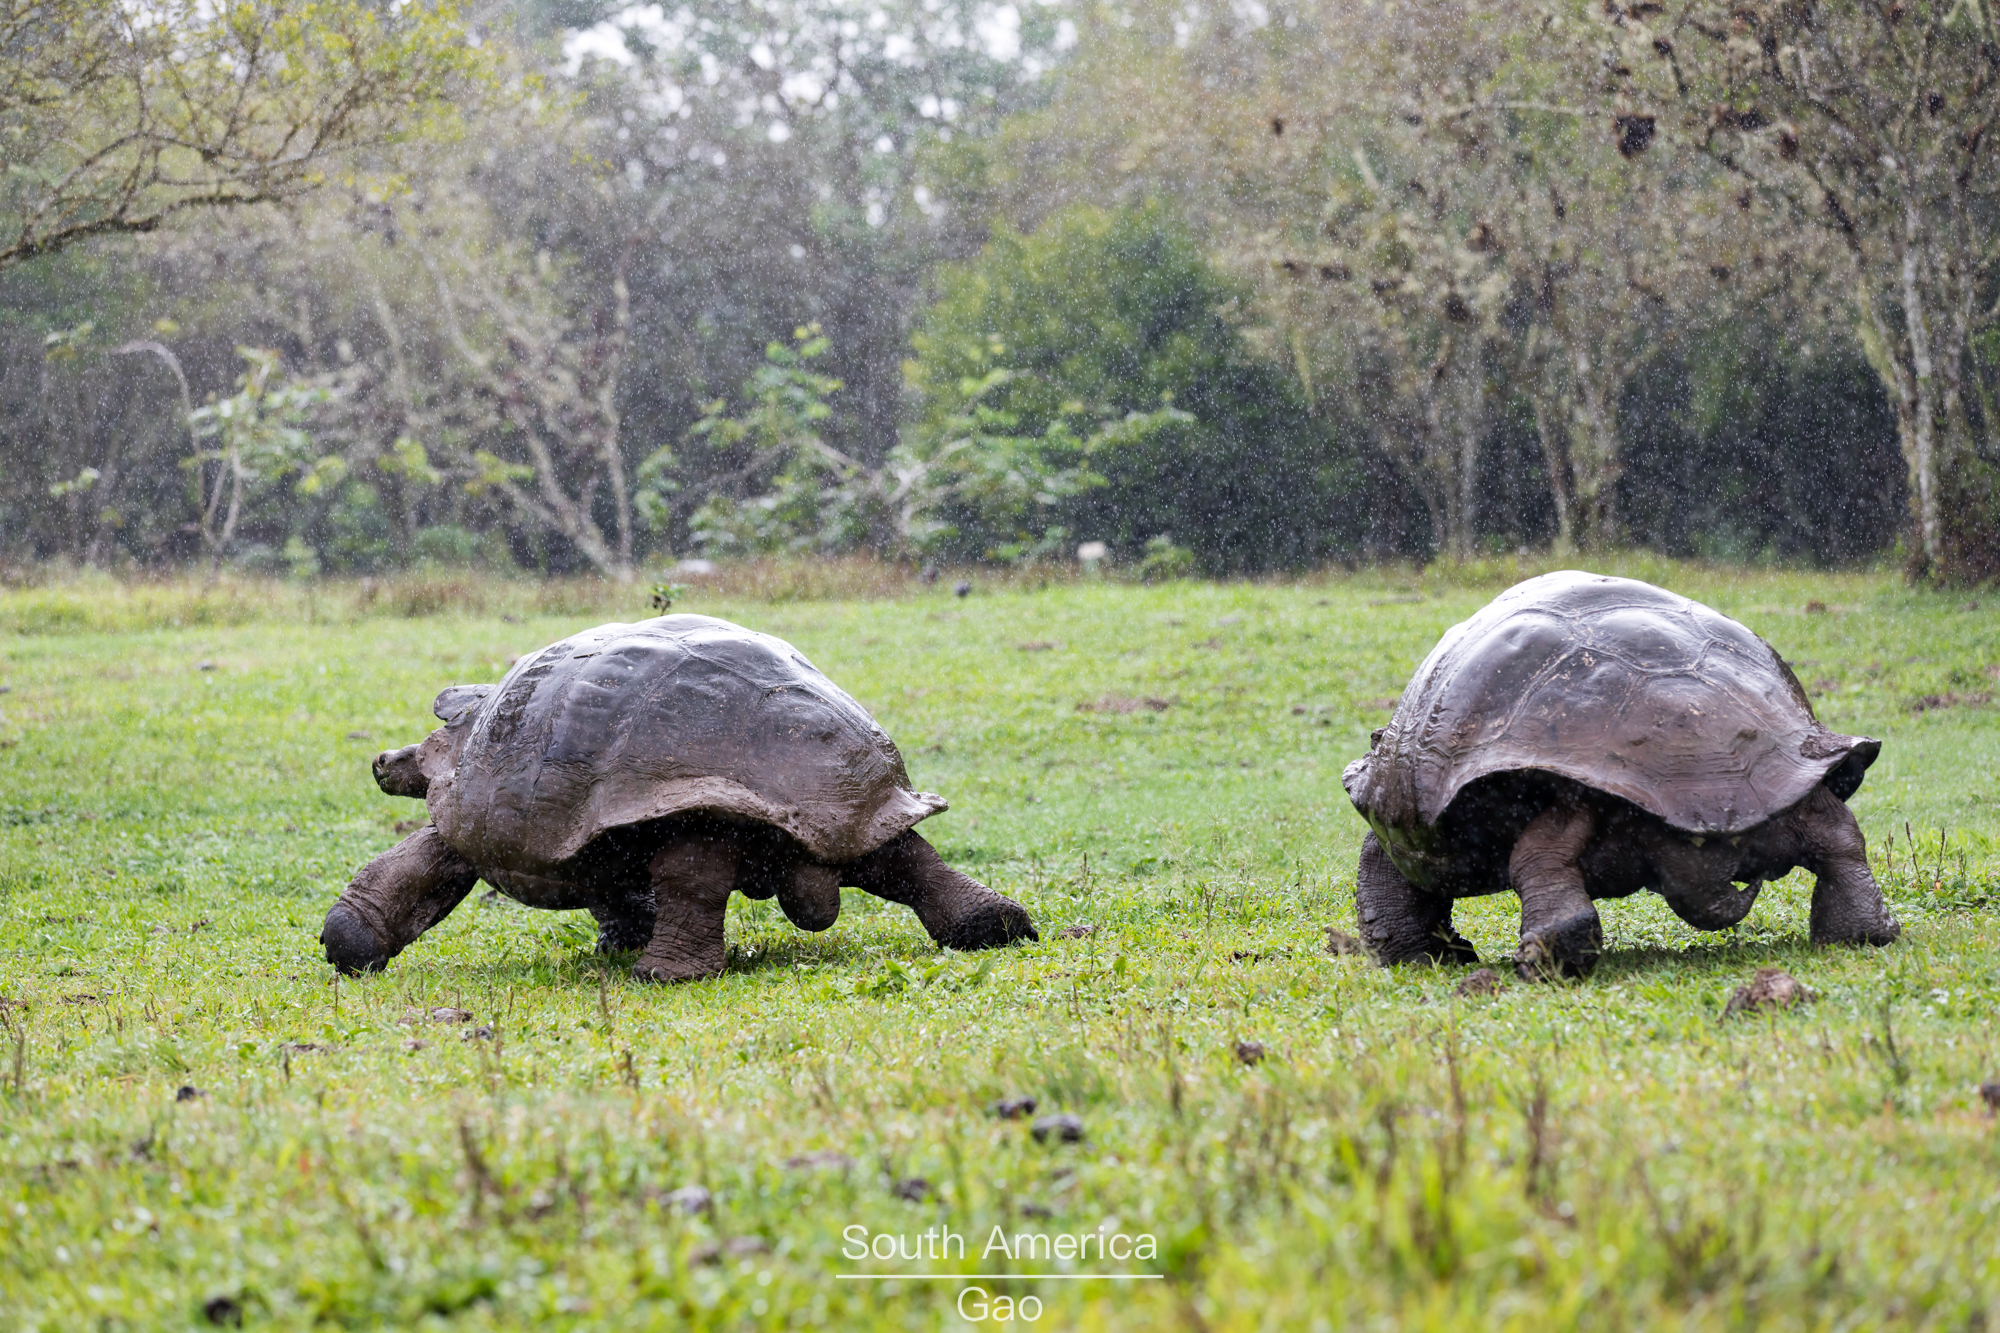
(967,1277)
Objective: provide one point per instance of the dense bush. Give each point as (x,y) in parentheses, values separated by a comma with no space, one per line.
(1103,314)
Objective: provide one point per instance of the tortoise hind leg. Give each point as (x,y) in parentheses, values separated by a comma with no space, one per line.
(624,922)
(957,910)
(1401,923)
(692,879)
(395,898)
(1560,932)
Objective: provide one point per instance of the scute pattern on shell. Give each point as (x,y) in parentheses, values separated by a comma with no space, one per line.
(1616,684)
(622,724)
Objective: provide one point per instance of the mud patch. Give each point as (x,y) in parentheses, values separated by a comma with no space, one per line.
(1932,702)
(1118,703)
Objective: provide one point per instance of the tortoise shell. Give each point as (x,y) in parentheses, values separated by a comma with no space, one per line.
(1615,684)
(623,725)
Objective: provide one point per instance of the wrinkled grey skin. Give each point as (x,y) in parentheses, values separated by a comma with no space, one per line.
(1586,737)
(644,773)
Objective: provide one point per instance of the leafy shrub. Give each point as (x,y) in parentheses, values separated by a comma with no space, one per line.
(1113,318)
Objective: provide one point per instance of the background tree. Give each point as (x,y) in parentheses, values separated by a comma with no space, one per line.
(118,117)
(1436,201)
(1876,122)
(780,147)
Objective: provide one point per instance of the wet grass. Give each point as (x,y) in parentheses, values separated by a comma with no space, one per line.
(179,805)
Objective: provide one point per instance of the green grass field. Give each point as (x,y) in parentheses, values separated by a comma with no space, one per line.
(184,789)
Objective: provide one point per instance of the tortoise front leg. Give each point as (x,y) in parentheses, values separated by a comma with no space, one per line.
(1560,932)
(395,898)
(957,910)
(1401,923)
(692,879)
(1847,906)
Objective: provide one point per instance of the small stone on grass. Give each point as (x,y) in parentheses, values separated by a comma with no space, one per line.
(1082,930)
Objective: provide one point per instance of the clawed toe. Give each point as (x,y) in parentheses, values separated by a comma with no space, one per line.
(990,925)
(1569,949)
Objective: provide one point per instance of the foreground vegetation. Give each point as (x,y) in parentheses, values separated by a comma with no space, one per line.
(203,1125)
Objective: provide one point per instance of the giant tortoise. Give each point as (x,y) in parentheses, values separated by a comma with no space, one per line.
(643,772)
(1586,737)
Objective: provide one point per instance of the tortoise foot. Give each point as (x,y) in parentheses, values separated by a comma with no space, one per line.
(1567,949)
(670,970)
(624,929)
(1401,923)
(350,945)
(1448,948)
(990,924)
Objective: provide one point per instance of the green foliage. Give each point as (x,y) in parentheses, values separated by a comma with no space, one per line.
(359,537)
(1162,560)
(977,485)
(1115,318)
(259,431)
(118,118)
(812,501)
(973,482)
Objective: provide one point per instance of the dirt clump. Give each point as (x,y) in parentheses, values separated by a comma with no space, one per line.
(1771,988)
(1340,944)
(1481,984)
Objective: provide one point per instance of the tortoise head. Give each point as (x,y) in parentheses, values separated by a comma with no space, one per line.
(401,772)
(408,771)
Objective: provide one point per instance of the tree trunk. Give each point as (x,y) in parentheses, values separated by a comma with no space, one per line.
(1599,462)
(1469,424)
(1549,430)
(1921,401)
(1454,418)
(611,423)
